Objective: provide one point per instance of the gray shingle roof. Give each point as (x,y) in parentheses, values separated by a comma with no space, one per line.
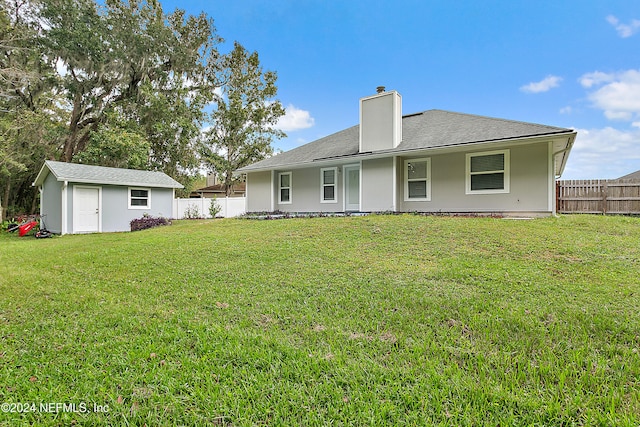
(425,130)
(634,175)
(89,174)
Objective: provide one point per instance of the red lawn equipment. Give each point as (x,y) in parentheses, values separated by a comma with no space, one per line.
(29,224)
(27,227)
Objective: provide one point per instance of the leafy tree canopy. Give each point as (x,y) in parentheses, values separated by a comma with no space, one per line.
(123,83)
(243,124)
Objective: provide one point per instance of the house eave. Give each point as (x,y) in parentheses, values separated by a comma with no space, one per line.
(45,170)
(120,184)
(568,136)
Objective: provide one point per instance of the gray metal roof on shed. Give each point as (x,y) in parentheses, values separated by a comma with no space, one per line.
(89,174)
(426,130)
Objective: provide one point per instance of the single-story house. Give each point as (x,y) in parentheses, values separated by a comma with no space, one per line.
(432,161)
(632,176)
(79,198)
(217,190)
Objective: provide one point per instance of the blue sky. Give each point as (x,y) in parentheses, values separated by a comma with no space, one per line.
(564,63)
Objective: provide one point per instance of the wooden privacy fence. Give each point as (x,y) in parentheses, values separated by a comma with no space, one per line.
(602,196)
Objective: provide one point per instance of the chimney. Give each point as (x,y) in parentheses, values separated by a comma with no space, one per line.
(380,121)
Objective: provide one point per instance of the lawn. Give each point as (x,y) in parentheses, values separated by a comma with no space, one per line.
(378,320)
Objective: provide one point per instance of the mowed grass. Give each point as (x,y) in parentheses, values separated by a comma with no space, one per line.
(378,320)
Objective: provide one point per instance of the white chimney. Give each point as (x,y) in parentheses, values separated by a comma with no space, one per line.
(380,121)
(212,179)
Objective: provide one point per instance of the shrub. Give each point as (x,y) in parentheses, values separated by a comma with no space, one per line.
(147,221)
(214,207)
(192,212)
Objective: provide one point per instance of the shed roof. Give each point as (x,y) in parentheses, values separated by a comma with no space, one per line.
(90,174)
(429,129)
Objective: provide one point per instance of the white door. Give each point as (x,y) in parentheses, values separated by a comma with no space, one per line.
(352,188)
(86,208)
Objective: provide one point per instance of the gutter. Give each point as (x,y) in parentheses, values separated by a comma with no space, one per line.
(463,146)
(564,150)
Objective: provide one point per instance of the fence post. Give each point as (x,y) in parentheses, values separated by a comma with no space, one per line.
(605,190)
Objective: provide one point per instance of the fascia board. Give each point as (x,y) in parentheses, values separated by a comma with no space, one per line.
(454,148)
(121,184)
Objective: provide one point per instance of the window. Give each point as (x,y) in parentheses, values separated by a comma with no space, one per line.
(328,185)
(139,198)
(284,188)
(488,172)
(417,182)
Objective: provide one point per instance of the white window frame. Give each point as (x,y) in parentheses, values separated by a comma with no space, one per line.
(505,171)
(280,188)
(334,185)
(147,206)
(426,160)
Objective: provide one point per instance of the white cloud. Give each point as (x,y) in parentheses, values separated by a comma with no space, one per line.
(597,77)
(624,30)
(618,94)
(295,119)
(604,153)
(566,110)
(544,85)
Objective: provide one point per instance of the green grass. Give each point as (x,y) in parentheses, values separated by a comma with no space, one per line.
(379,320)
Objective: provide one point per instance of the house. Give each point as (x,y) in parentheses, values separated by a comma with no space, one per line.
(217,189)
(432,161)
(80,198)
(634,176)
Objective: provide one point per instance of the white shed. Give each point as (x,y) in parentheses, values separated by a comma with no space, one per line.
(80,198)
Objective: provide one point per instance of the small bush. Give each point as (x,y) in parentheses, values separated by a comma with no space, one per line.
(148,221)
(192,212)
(214,208)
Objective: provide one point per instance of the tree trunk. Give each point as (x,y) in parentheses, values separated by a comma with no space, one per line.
(70,142)
(5,197)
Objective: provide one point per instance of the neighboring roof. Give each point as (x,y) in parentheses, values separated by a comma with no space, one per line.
(634,175)
(89,174)
(219,188)
(426,130)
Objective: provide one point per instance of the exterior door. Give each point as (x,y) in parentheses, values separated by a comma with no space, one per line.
(352,188)
(86,207)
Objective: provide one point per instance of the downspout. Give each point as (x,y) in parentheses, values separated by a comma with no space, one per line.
(63,214)
(560,152)
(564,150)
(394,207)
(41,191)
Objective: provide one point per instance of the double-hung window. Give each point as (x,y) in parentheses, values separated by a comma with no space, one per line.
(284,188)
(488,172)
(328,185)
(417,182)
(139,198)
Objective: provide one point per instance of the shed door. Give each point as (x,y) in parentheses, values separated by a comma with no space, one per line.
(86,209)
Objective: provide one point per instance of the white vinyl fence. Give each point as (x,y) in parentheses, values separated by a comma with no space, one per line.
(199,208)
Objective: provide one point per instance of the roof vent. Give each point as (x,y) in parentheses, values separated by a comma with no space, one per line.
(380,89)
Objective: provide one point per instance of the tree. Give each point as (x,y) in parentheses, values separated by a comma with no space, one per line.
(243,124)
(125,58)
(116,147)
(29,112)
